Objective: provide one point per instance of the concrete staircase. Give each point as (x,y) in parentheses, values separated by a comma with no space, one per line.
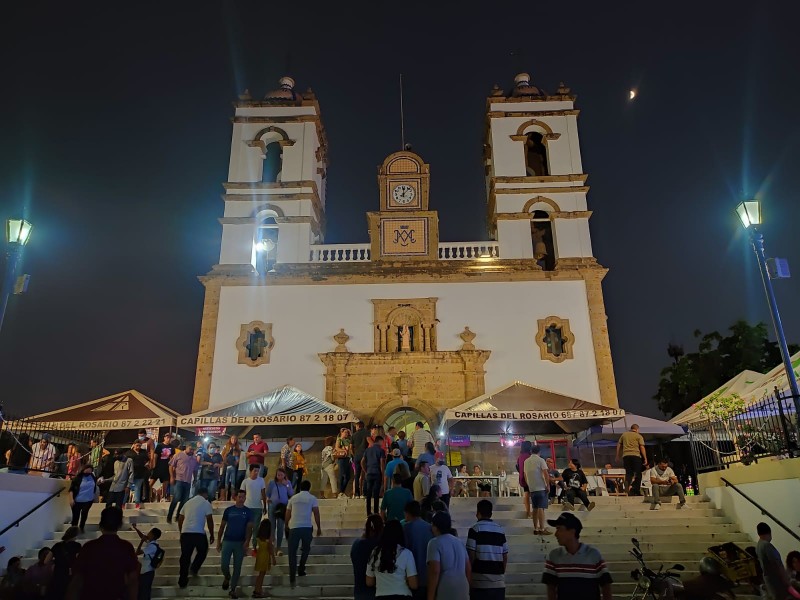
(667,537)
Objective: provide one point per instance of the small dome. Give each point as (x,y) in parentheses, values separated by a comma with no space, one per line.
(523,87)
(285,93)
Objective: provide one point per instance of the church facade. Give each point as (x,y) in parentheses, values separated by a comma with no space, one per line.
(406,322)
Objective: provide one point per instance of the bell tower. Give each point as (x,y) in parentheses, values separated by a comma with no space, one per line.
(535,181)
(275,193)
(404,229)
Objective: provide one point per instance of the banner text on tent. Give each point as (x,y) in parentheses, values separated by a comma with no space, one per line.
(318,418)
(544,415)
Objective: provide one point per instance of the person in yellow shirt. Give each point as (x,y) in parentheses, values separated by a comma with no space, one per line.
(265,556)
(634,458)
(299,466)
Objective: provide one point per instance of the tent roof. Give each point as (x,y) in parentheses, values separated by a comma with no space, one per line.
(740,384)
(765,384)
(521,408)
(285,405)
(125,410)
(651,429)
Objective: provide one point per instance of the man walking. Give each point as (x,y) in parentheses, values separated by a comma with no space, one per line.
(776,580)
(665,483)
(122,481)
(232,540)
(193,518)
(419,438)
(160,472)
(287,458)
(574,569)
(441,476)
(537,476)
(394,500)
(141,471)
(422,482)
(299,528)
(183,466)
(257,454)
(418,534)
(634,459)
(374,465)
(487,549)
(255,498)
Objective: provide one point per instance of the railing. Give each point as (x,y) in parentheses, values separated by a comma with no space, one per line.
(468,250)
(763,510)
(31,511)
(765,428)
(330,253)
(11,433)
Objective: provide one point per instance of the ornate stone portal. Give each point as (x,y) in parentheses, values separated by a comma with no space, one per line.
(406,370)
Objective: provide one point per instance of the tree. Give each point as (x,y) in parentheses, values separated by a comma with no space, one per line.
(694,375)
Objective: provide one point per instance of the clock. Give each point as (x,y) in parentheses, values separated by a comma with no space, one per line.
(403,194)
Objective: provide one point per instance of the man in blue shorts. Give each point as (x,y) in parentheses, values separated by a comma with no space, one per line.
(537,476)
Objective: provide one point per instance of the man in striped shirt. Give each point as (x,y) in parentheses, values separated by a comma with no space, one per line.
(419,438)
(488,553)
(575,570)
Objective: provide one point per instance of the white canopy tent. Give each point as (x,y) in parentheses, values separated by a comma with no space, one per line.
(652,430)
(765,384)
(283,406)
(520,408)
(736,385)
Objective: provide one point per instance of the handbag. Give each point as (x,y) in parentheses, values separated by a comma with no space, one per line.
(280,511)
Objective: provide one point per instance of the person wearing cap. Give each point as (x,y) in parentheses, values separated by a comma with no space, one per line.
(441,476)
(574,569)
(397,458)
(449,568)
(43,457)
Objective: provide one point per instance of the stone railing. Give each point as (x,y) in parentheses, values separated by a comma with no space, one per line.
(329,253)
(468,250)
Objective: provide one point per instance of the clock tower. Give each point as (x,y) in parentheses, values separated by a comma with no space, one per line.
(404,229)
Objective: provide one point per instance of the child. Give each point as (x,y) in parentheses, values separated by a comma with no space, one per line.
(265,556)
(148,569)
(299,466)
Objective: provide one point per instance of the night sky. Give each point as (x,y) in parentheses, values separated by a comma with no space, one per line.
(115,134)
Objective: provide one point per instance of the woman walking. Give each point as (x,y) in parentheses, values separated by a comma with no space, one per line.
(279,491)
(299,466)
(230,459)
(391,569)
(82,492)
(327,471)
(449,570)
(343,452)
(360,552)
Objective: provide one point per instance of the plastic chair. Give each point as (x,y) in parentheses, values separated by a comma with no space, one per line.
(511,484)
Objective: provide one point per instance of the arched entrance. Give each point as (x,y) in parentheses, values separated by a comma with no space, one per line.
(405,419)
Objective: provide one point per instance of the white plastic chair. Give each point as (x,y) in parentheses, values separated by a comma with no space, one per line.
(646,486)
(511,484)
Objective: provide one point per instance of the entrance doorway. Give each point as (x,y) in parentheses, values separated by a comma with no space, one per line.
(405,419)
(558,450)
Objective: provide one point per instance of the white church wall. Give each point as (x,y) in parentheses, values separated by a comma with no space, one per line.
(304,317)
(246,164)
(514,237)
(509,156)
(237,244)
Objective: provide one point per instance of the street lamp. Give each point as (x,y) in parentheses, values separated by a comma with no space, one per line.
(749,213)
(18,232)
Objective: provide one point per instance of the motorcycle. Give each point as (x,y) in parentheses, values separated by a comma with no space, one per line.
(656,585)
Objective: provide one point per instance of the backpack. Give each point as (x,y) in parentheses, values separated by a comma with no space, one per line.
(158,557)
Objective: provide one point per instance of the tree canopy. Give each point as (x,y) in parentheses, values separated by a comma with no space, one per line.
(718,358)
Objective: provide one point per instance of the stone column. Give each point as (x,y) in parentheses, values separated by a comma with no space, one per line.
(474,372)
(593,278)
(205,354)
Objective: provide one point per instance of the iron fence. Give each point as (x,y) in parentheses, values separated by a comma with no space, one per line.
(763,429)
(28,434)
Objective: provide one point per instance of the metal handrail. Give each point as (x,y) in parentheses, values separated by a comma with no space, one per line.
(763,510)
(31,511)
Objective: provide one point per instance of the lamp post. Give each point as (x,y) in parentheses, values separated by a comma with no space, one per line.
(18,232)
(749,213)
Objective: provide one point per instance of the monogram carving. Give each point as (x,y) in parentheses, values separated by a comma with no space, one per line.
(404,235)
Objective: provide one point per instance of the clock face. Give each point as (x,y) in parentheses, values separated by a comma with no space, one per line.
(403,194)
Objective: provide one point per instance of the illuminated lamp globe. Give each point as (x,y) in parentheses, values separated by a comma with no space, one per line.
(18,231)
(749,213)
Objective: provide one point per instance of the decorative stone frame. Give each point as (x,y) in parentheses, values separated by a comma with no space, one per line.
(419,313)
(245,332)
(541,200)
(566,334)
(546,131)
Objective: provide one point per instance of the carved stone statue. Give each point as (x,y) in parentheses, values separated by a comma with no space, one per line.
(405,339)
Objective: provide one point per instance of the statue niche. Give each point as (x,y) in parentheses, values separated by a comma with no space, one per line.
(405,325)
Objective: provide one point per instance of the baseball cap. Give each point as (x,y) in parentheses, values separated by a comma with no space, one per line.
(47,437)
(396,452)
(568,520)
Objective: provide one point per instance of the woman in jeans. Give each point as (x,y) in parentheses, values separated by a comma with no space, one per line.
(279,491)
(343,452)
(230,457)
(82,492)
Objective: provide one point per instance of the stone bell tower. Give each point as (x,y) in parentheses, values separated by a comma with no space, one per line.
(275,193)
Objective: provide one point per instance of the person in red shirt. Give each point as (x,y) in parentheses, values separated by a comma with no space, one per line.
(257,453)
(107,566)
